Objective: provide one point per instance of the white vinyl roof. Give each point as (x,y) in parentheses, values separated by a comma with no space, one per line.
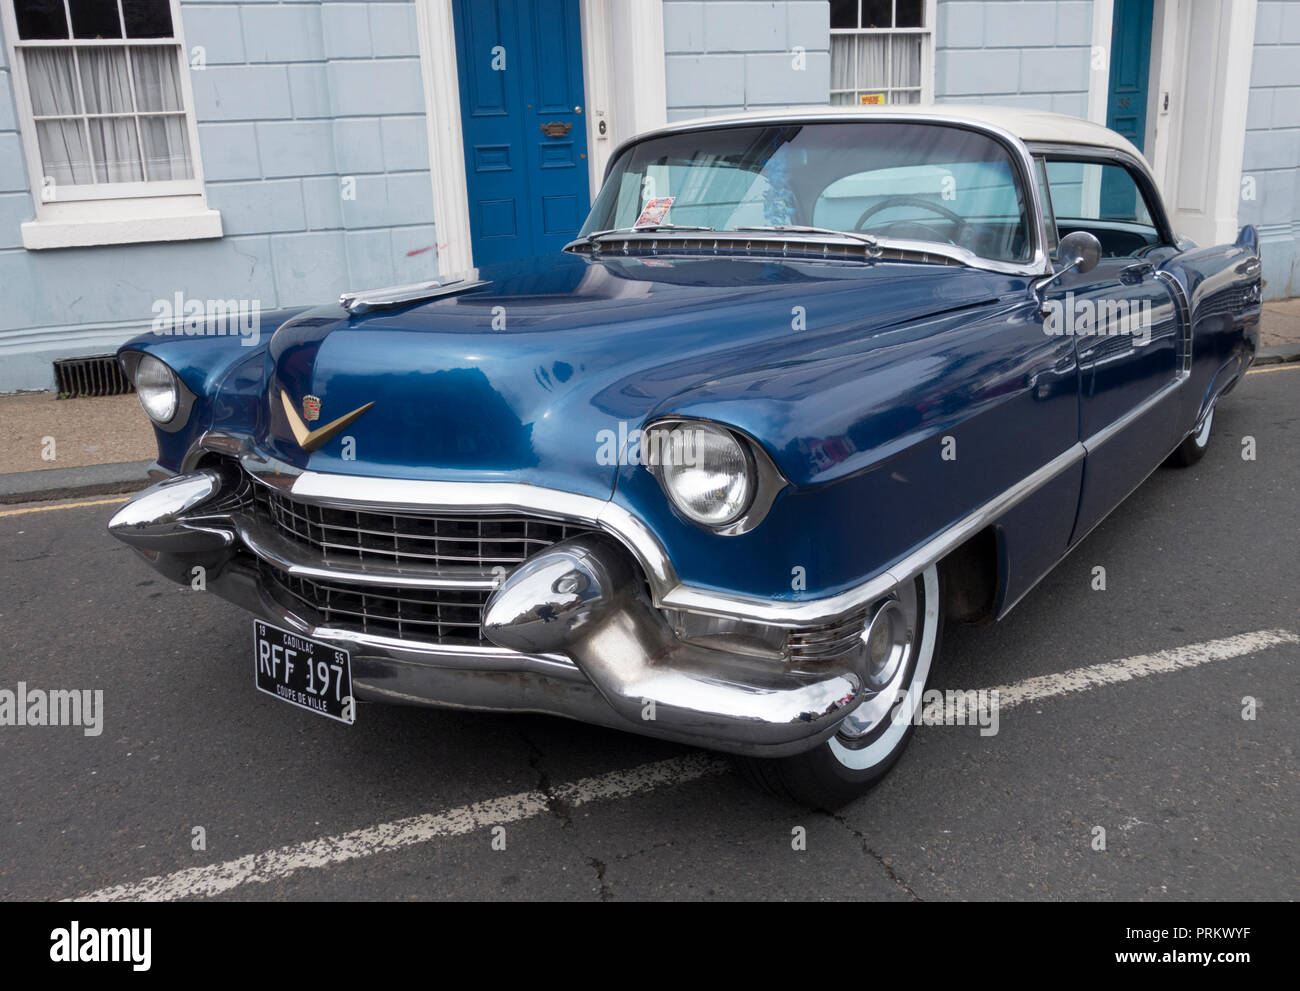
(1028,125)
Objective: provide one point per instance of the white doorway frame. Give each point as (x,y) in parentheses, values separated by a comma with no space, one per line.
(627,34)
(1172,71)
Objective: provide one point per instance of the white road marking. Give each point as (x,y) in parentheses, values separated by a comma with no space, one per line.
(1161,662)
(259,868)
(272,865)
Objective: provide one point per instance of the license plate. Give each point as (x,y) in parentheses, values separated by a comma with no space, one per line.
(303,672)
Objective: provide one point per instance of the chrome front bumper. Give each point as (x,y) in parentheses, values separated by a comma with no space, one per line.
(575,633)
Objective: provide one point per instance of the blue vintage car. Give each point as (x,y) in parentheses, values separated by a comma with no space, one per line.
(806,387)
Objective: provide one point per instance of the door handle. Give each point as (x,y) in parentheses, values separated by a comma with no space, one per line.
(1134,274)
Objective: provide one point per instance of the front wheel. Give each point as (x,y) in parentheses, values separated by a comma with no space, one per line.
(874,735)
(1193,447)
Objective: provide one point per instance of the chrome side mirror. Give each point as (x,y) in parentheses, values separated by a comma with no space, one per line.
(1078,252)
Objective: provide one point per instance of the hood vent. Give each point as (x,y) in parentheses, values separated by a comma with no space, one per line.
(725,243)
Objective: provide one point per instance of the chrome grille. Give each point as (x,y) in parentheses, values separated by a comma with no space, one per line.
(346,536)
(434,543)
(828,641)
(447,616)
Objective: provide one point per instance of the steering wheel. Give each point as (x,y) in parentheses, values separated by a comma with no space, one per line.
(959,222)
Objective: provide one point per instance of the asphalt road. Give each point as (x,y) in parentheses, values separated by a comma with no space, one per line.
(1196,801)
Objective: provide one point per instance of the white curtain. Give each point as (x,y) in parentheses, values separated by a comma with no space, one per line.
(906,64)
(150,134)
(166,148)
(157,79)
(842,62)
(873,49)
(65,156)
(52,79)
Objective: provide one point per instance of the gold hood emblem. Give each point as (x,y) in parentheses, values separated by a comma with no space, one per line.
(310,440)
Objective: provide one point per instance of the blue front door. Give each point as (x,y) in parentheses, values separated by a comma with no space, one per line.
(524,118)
(1130,64)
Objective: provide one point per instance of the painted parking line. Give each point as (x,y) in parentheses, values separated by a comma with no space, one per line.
(64,505)
(273,865)
(1141,666)
(1285,367)
(203,882)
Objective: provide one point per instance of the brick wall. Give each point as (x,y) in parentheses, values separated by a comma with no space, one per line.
(729,55)
(1272,153)
(1018,53)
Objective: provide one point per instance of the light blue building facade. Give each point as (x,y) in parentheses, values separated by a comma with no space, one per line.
(296,149)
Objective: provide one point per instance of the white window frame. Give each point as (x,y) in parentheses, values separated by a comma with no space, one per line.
(929,12)
(109,213)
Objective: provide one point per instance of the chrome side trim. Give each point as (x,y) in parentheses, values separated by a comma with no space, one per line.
(815,612)
(1184,317)
(1136,413)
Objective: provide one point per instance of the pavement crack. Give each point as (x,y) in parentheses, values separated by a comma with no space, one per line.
(557,806)
(884,864)
(606,893)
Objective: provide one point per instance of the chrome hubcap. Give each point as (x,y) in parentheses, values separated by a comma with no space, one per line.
(1203,434)
(888,641)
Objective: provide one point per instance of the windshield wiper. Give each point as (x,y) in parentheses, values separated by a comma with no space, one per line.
(866,239)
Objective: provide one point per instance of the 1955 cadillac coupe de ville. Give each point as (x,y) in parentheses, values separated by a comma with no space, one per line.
(805,386)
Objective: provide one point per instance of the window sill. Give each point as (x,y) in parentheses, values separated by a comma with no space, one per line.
(88,228)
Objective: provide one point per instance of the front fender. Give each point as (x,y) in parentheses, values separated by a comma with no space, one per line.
(884,449)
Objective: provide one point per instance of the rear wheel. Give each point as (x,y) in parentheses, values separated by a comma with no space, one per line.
(1193,447)
(902,639)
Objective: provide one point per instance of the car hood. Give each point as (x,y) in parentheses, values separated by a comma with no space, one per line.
(533,374)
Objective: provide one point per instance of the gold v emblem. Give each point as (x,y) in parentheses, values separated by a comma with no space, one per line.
(310,440)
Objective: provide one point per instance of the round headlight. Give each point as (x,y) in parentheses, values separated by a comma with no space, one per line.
(706,472)
(155,384)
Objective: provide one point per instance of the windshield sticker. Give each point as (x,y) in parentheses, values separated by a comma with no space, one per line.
(655,212)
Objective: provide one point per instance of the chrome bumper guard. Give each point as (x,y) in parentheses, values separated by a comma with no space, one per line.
(574,630)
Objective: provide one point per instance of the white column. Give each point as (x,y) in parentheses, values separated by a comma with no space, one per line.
(437,31)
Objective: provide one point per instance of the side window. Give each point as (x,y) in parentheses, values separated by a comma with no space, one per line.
(1103,199)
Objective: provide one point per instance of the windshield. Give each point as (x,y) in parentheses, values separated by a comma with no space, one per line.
(901,181)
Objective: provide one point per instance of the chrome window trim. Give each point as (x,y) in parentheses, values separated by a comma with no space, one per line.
(669,592)
(1101,155)
(1038,263)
